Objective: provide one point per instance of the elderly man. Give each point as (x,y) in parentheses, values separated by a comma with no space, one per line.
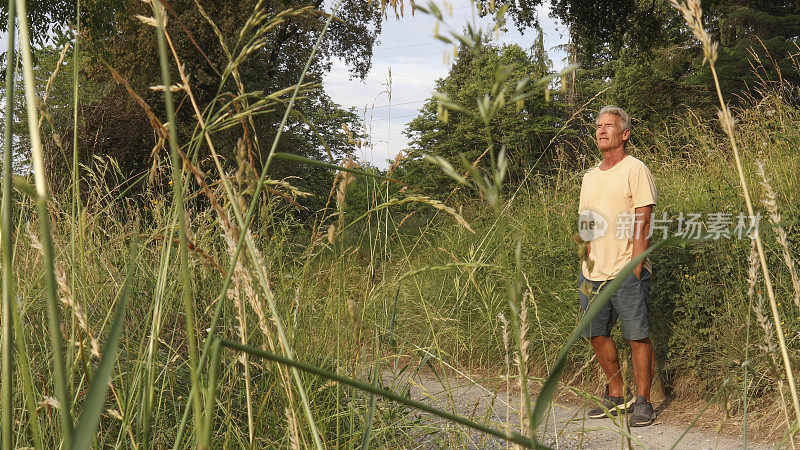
(617,199)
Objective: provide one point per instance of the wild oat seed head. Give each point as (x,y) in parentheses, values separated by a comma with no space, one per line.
(769,200)
(35,243)
(693,15)
(49,401)
(504,325)
(752,272)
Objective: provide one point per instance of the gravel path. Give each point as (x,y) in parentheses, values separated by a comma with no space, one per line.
(566,427)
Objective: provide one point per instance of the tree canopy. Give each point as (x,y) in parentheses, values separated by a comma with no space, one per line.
(523,128)
(122,42)
(646,41)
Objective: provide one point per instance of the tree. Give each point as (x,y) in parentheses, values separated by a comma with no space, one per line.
(643,47)
(49,18)
(116,125)
(524,128)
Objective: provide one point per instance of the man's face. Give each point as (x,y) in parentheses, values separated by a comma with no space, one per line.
(609,132)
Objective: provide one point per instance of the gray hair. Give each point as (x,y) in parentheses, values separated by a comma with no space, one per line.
(619,112)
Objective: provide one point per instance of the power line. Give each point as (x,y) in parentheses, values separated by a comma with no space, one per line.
(392,118)
(407,46)
(385,131)
(437,43)
(394,104)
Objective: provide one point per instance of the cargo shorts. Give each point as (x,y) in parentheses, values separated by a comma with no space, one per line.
(629,304)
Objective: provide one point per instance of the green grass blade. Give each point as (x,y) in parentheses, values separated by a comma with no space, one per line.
(42,198)
(511,437)
(365,439)
(205,439)
(96,397)
(178,202)
(76,234)
(8,273)
(76,193)
(549,387)
(244,224)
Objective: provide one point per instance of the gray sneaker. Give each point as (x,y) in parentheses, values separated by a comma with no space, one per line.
(611,406)
(642,413)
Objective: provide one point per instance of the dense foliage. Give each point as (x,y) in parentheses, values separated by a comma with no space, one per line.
(123,43)
(525,128)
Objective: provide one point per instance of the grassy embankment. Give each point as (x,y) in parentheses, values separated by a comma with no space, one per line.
(343,294)
(448,297)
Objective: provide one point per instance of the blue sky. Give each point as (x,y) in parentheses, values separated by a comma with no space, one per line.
(416,59)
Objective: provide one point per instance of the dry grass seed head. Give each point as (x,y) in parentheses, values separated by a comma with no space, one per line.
(769,200)
(693,15)
(354,311)
(768,327)
(294,436)
(345,179)
(440,206)
(504,328)
(396,163)
(65,294)
(48,401)
(752,272)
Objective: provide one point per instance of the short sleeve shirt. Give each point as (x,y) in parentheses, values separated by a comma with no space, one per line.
(614,194)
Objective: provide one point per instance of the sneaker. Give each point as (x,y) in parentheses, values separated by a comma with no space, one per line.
(612,405)
(642,413)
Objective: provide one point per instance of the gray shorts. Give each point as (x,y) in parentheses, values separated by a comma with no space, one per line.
(629,303)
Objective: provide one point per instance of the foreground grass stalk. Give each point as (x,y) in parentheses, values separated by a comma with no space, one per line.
(692,13)
(205,439)
(520,330)
(76,240)
(9,288)
(93,406)
(178,201)
(512,437)
(157,313)
(244,237)
(42,198)
(5,237)
(727,122)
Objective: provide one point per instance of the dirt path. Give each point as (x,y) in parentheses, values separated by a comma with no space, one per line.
(566,425)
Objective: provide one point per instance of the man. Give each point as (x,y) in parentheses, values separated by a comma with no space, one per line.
(616,202)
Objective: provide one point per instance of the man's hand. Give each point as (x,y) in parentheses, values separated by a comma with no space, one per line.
(641,235)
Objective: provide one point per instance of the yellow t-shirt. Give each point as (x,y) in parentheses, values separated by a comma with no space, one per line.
(613,195)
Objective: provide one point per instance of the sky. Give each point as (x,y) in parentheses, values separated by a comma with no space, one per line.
(416,59)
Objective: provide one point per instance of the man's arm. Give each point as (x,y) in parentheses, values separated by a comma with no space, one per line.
(641,235)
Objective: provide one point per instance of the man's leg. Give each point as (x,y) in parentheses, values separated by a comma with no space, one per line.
(643,364)
(607,356)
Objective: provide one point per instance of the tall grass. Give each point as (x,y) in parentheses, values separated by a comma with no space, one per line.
(265,332)
(8,280)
